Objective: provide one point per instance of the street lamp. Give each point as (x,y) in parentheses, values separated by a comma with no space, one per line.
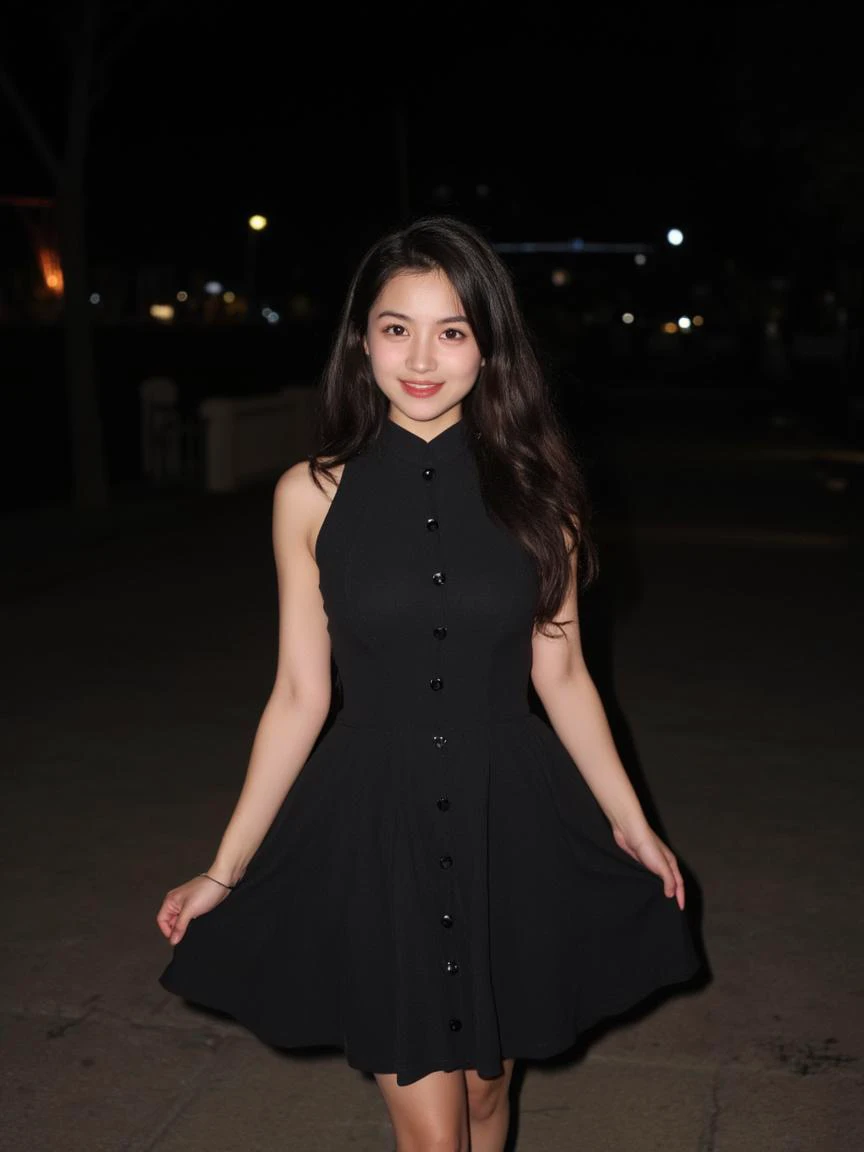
(675,237)
(256,224)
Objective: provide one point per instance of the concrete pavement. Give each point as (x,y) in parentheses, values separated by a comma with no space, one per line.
(726,636)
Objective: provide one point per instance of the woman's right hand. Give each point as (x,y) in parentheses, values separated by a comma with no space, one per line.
(185,903)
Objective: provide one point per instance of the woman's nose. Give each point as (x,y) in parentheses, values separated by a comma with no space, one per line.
(421,355)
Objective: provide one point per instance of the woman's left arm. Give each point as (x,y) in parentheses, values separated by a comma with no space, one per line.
(572,703)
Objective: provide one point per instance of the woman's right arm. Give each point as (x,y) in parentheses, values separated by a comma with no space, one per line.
(295,711)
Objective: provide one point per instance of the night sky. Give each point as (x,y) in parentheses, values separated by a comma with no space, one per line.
(612,124)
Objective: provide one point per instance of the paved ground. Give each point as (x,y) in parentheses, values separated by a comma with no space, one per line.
(726,635)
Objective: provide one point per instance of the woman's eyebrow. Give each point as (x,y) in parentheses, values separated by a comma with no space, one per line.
(446,320)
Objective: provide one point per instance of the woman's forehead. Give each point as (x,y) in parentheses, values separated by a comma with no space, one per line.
(420,294)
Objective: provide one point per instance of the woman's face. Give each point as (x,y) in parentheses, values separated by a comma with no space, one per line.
(422,351)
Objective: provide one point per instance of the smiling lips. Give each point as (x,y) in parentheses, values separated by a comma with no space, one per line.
(415,388)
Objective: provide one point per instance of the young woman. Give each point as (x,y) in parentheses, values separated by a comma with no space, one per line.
(443,882)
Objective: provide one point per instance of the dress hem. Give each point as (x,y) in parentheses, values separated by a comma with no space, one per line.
(545,1051)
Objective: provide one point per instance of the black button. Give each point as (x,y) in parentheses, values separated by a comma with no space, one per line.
(439,741)
(440,632)
(443,804)
(428,473)
(438,577)
(452,966)
(432,524)
(446,861)
(455,1025)
(446,920)
(436,683)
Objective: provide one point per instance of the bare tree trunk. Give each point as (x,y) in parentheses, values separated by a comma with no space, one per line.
(85,424)
(854,361)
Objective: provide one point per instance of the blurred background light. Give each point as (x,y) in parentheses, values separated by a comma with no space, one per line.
(675,237)
(52,273)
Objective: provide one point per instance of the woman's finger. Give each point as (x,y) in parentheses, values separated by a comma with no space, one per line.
(180,928)
(669,885)
(677,879)
(167,917)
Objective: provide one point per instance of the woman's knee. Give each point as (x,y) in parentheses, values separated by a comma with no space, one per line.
(435,1142)
(430,1138)
(486,1097)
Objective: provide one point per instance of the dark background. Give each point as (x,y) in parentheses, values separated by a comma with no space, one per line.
(741,125)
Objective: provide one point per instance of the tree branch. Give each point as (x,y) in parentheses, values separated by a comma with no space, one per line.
(37,137)
(121,42)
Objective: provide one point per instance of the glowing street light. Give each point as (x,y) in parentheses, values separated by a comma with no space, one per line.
(257,224)
(675,237)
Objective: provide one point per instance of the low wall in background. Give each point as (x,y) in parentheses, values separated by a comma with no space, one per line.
(250,438)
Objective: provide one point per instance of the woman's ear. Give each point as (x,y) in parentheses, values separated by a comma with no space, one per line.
(365,346)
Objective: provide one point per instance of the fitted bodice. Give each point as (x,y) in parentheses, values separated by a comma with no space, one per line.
(429,602)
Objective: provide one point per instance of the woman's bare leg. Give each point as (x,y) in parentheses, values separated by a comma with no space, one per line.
(430,1115)
(489,1109)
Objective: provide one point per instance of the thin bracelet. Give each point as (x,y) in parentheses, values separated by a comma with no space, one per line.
(230,887)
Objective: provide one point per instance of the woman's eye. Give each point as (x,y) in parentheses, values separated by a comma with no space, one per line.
(454,334)
(395,330)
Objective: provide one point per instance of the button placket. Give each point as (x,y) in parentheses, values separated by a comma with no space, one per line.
(438,576)
(446,864)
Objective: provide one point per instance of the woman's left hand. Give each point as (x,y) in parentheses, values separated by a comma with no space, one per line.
(646,846)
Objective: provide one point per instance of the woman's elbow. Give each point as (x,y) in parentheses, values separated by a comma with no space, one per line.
(309,700)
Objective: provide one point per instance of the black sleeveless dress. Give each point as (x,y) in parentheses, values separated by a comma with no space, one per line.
(440,889)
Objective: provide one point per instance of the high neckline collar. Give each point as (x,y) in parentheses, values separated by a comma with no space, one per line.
(394,440)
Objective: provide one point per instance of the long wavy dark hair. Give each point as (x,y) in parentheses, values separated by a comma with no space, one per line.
(531,481)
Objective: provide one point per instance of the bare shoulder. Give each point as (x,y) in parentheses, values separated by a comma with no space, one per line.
(299,505)
(296,489)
